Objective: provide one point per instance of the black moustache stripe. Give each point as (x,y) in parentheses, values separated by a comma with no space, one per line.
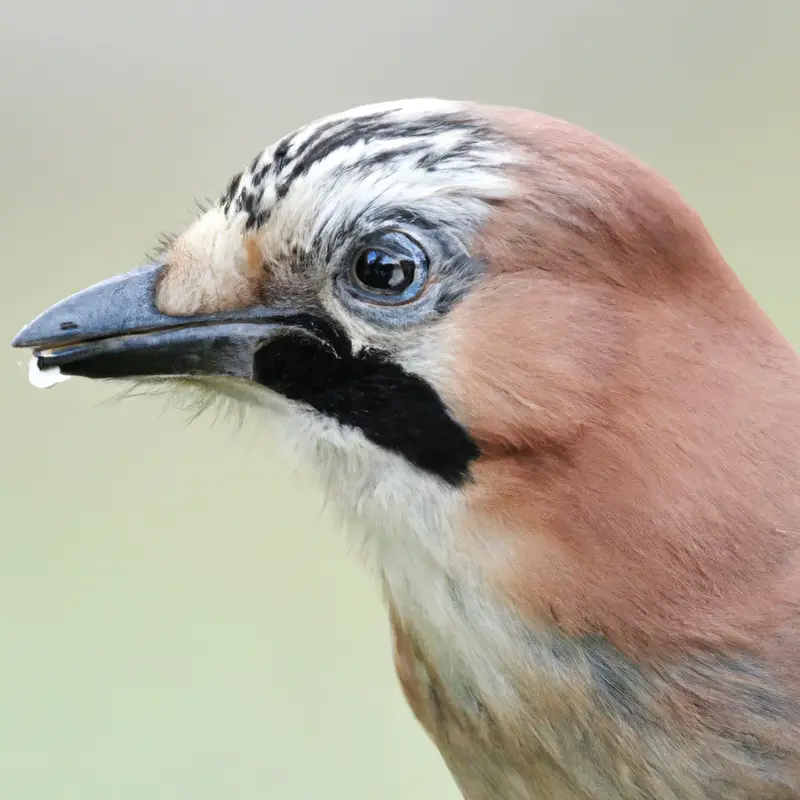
(394,409)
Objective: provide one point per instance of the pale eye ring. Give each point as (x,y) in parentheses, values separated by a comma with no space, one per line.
(391,269)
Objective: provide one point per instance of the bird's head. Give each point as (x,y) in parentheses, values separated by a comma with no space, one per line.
(323,276)
(457,314)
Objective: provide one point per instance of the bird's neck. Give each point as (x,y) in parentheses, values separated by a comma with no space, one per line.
(478,665)
(410,527)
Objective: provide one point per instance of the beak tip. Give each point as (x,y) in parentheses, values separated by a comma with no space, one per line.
(34,333)
(22,339)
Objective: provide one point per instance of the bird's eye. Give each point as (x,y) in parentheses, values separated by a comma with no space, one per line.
(392,269)
(383,272)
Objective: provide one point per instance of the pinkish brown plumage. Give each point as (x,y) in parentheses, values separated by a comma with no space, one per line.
(565,434)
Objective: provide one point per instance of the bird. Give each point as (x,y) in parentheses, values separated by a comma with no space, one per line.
(564,434)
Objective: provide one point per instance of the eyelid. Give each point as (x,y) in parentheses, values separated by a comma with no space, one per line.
(393,235)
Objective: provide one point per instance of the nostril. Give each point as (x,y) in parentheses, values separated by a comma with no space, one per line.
(68,326)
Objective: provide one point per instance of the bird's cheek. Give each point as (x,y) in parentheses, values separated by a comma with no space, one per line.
(528,359)
(481,386)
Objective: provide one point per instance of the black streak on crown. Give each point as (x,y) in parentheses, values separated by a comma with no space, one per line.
(395,410)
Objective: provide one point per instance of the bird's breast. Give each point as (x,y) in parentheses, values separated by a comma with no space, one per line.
(563,717)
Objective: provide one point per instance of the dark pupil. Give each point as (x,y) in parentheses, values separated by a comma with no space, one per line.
(384,272)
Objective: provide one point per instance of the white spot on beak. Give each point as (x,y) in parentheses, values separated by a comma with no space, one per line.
(44,378)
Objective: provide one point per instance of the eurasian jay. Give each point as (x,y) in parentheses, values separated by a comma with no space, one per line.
(566,435)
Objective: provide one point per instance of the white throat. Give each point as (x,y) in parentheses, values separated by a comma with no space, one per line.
(412,529)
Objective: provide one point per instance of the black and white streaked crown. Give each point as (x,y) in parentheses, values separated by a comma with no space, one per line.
(414,148)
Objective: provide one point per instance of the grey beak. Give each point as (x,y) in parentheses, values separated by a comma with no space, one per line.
(114,330)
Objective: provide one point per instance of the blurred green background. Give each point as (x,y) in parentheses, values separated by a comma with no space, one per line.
(177,619)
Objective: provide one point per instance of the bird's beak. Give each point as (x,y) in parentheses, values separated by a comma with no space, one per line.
(114,330)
